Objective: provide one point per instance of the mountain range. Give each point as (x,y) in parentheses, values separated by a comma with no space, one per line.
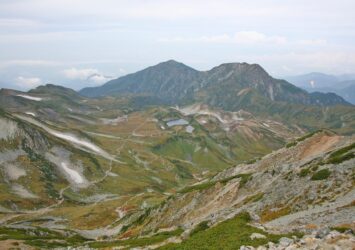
(174,158)
(175,83)
(342,85)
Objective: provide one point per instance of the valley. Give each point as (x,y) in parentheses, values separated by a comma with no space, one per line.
(174,162)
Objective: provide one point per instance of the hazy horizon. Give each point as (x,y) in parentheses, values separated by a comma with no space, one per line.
(86,43)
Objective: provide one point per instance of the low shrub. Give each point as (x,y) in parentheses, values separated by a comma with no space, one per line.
(321,175)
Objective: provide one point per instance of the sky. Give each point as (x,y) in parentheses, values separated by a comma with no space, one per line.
(78,43)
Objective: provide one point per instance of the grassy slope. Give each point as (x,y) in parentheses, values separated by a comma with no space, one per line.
(229,234)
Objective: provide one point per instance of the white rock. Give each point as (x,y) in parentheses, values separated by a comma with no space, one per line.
(257,236)
(284,241)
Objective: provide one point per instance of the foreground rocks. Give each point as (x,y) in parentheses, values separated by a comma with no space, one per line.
(331,240)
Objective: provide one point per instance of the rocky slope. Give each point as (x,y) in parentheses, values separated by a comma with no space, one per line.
(305,186)
(91,165)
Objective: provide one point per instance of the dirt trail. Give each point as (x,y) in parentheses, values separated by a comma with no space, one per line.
(321,145)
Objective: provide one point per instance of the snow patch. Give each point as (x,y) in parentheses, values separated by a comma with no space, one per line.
(199,110)
(37,99)
(30,113)
(72,171)
(189,129)
(114,121)
(68,137)
(266,125)
(179,122)
(120,212)
(112,174)
(159,181)
(76,140)
(14,172)
(74,175)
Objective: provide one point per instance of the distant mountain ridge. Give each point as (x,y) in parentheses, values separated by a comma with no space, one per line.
(175,83)
(342,85)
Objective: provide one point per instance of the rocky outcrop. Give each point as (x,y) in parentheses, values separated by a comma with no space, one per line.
(316,240)
(292,189)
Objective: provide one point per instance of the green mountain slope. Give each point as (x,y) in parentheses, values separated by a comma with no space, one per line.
(176,83)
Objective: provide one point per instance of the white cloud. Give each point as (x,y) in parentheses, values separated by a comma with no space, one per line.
(17,22)
(313,42)
(140,9)
(30,63)
(28,82)
(257,37)
(89,75)
(81,74)
(332,62)
(99,79)
(242,37)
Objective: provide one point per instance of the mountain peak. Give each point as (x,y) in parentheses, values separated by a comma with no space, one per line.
(171,64)
(241,68)
(174,82)
(50,88)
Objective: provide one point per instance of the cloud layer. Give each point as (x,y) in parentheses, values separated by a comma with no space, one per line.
(84,42)
(90,75)
(28,82)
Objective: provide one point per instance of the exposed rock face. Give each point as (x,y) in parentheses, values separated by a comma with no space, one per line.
(7,129)
(282,191)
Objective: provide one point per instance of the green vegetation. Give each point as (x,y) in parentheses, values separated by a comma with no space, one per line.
(252,161)
(41,237)
(342,151)
(229,234)
(137,242)
(244,179)
(341,155)
(48,175)
(342,229)
(321,175)
(200,227)
(304,172)
(253,198)
(271,214)
(256,197)
(291,144)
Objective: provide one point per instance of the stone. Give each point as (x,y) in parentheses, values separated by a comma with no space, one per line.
(284,241)
(257,236)
(321,233)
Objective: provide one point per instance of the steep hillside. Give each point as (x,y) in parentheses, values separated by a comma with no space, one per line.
(85,163)
(169,81)
(303,187)
(47,101)
(300,196)
(235,78)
